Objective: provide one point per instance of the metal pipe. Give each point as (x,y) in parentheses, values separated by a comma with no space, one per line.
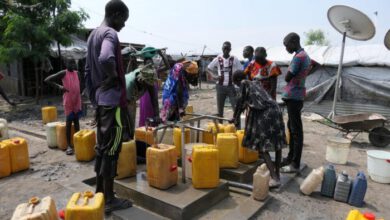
(197,132)
(336,92)
(240,185)
(183,156)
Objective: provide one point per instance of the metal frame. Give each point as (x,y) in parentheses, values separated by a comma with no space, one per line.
(183,125)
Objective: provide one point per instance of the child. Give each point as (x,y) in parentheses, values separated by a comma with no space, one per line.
(71,98)
(264,129)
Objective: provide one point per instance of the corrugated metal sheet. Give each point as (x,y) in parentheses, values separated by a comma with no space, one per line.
(345,108)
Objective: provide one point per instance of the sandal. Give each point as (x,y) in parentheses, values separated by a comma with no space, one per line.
(289,169)
(69,151)
(285,162)
(117,204)
(274,183)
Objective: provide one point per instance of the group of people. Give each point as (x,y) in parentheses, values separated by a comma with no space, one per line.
(250,88)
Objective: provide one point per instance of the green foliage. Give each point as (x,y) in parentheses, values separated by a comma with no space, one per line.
(29,27)
(316,37)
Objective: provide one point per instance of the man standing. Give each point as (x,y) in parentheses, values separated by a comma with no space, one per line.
(105,82)
(247,54)
(293,95)
(265,71)
(226,65)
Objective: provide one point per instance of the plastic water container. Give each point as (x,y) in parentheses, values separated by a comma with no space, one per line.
(51,134)
(5,160)
(83,206)
(84,145)
(18,151)
(188,149)
(168,136)
(245,155)
(343,187)
(337,150)
(229,128)
(61,136)
(177,139)
(161,166)
(261,182)
(36,209)
(144,135)
(358,191)
(49,114)
(312,181)
(4,134)
(227,144)
(329,181)
(127,162)
(357,215)
(208,137)
(205,167)
(378,165)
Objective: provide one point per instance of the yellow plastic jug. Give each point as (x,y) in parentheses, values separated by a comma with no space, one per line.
(161,166)
(49,114)
(205,166)
(312,181)
(229,128)
(141,134)
(5,160)
(18,151)
(83,206)
(245,155)
(61,136)
(177,139)
(208,137)
(227,144)
(84,145)
(260,182)
(127,162)
(189,110)
(36,209)
(357,215)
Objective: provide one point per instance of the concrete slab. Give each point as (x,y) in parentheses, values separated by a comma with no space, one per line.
(243,174)
(135,213)
(178,202)
(247,209)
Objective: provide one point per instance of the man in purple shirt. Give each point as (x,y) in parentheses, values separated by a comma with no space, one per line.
(293,95)
(105,83)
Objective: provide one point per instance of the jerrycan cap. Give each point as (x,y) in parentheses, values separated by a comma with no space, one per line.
(369,216)
(88,194)
(33,200)
(16,141)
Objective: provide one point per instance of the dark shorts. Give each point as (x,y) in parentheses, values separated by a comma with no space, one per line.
(112,130)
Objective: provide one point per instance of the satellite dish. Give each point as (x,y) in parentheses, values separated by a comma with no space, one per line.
(353,24)
(387,40)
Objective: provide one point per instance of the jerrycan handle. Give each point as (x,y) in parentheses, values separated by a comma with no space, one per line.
(173,168)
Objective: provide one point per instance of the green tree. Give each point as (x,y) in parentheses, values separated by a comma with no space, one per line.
(316,37)
(29,27)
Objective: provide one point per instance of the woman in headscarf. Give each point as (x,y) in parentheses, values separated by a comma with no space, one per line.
(175,91)
(264,129)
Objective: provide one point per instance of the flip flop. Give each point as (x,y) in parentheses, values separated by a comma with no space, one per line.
(289,169)
(117,204)
(69,151)
(274,183)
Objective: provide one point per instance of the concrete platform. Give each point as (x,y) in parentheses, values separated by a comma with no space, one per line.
(178,202)
(242,174)
(134,213)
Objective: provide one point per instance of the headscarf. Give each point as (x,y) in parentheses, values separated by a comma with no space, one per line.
(146,74)
(192,68)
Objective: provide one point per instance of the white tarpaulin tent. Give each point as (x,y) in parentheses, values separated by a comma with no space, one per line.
(77,50)
(365,55)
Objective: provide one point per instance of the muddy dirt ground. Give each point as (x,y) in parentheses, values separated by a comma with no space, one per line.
(53,173)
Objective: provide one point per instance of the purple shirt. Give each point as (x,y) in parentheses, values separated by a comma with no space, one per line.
(299,68)
(101,58)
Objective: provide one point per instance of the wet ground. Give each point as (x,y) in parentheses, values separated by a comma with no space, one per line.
(53,173)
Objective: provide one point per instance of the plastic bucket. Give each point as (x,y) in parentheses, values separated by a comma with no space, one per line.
(378,165)
(337,150)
